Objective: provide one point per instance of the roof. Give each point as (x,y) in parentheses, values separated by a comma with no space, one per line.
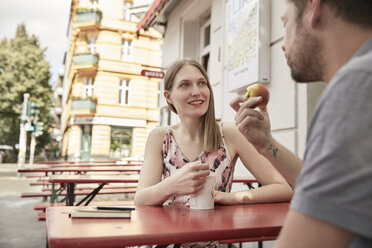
(156,7)
(157,14)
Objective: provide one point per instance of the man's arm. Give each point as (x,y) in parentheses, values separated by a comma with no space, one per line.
(302,231)
(255,126)
(287,163)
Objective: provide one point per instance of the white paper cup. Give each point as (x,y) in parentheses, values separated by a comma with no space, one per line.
(204,199)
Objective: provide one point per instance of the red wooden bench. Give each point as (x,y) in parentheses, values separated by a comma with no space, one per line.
(44,205)
(41,216)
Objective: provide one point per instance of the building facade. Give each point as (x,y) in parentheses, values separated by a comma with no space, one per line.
(219,33)
(109,107)
(53,150)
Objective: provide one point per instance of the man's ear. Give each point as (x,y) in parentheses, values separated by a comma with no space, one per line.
(167,96)
(315,14)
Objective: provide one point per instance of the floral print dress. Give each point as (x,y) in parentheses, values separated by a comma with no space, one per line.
(219,162)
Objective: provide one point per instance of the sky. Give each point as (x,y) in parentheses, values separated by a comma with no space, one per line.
(46,19)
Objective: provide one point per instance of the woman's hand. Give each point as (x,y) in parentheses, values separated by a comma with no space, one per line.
(224,198)
(190,178)
(253,124)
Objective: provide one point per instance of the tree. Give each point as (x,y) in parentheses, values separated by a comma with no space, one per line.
(23,69)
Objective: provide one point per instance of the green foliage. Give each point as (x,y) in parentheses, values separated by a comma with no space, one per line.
(23,69)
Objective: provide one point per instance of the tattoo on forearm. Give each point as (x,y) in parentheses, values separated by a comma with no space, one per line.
(272,148)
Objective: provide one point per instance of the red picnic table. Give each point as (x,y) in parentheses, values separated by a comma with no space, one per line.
(93,165)
(82,169)
(76,162)
(71,180)
(173,224)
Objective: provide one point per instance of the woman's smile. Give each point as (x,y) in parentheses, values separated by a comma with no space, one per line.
(197,103)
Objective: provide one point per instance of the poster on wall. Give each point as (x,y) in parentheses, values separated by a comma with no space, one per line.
(248,43)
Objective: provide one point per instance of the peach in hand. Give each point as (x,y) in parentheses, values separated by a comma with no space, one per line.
(256,90)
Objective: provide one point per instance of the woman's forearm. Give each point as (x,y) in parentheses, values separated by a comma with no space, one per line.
(154,195)
(267,193)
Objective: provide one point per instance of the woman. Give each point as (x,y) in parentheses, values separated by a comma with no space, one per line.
(178,158)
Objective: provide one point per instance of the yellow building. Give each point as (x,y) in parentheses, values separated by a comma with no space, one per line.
(109,106)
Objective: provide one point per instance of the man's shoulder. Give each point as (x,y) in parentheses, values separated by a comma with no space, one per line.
(362,59)
(356,74)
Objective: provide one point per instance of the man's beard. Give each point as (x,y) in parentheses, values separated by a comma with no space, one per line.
(306,60)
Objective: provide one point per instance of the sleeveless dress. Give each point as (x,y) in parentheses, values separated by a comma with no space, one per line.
(219,162)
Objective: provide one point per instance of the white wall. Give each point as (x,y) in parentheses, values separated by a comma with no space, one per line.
(288,104)
(291,105)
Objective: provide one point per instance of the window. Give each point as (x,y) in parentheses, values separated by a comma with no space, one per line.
(93,4)
(205,40)
(205,61)
(92,46)
(124,92)
(165,116)
(121,142)
(207,35)
(86,138)
(88,87)
(127,15)
(126,50)
(159,94)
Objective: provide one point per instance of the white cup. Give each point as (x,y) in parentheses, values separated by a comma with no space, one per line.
(204,199)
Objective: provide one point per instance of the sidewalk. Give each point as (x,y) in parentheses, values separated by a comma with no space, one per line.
(18,224)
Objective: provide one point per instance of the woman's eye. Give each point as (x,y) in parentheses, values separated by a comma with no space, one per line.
(202,83)
(184,85)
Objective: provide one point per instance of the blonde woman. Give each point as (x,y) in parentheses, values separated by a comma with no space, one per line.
(178,158)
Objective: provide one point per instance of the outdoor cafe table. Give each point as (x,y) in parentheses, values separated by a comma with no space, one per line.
(71,180)
(94,165)
(160,225)
(82,169)
(76,162)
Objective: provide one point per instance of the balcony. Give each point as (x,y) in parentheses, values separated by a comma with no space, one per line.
(85,58)
(85,63)
(88,15)
(83,106)
(86,19)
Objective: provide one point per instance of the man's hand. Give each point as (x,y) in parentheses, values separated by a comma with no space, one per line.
(253,124)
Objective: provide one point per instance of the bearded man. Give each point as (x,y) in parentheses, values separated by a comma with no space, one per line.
(331,41)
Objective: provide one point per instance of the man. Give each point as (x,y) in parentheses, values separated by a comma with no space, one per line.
(328,40)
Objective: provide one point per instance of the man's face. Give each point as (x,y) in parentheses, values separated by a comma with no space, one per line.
(302,49)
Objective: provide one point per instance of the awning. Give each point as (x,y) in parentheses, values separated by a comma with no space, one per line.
(156,7)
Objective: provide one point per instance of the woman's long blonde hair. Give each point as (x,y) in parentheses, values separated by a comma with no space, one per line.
(212,134)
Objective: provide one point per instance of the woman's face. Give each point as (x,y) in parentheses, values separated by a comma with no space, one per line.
(190,93)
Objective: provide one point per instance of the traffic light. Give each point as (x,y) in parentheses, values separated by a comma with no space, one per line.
(31,127)
(39,126)
(32,109)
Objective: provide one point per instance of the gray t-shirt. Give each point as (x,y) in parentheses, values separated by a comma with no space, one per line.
(335,184)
